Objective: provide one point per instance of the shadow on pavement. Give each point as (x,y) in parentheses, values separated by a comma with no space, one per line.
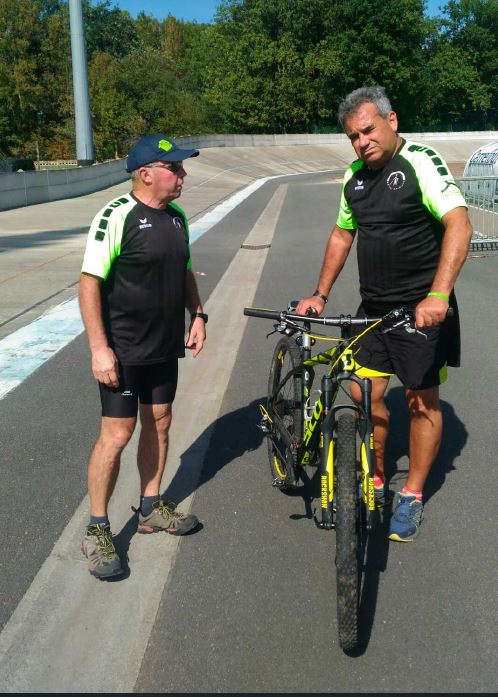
(230,436)
(227,439)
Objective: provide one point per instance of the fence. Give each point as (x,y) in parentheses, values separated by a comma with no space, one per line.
(481,194)
(55,164)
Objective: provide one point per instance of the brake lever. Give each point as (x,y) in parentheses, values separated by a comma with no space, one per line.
(286,327)
(406,323)
(414,330)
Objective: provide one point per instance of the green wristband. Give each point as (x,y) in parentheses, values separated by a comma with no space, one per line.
(438,295)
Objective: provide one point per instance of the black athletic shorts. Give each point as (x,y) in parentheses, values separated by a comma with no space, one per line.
(149,384)
(419,360)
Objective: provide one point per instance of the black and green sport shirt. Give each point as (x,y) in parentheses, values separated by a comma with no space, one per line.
(142,255)
(397,212)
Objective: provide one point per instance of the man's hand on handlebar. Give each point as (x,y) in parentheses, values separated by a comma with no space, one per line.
(310,305)
(430,311)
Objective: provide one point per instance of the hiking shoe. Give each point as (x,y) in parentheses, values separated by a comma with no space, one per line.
(406,518)
(98,548)
(164,517)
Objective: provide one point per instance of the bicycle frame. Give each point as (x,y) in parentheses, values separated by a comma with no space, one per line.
(318,432)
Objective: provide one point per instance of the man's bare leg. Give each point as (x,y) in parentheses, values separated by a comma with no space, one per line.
(152,453)
(103,466)
(426,426)
(103,470)
(153,446)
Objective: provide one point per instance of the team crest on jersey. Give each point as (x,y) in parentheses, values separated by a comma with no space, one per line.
(396,180)
(178,223)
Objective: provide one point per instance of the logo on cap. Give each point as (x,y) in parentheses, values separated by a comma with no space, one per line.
(165,145)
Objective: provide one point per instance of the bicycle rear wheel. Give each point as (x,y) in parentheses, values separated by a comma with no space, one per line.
(347,532)
(285,410)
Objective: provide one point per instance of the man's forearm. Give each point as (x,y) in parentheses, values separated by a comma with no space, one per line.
(91,312)
(192,299)
(454,250)
(336,253)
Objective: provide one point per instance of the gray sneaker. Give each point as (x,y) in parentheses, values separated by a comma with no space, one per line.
(164,517)
(98,548)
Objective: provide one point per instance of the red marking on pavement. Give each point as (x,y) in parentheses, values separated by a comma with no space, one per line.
(32,268)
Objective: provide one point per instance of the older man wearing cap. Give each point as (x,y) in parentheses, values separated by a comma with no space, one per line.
(136,282)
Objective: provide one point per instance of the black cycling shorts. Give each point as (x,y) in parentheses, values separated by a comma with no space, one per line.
(419,360)
(149,384)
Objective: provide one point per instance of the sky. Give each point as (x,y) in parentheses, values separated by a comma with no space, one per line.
(198,10)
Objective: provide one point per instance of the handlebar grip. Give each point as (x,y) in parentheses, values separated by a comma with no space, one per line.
(260,312)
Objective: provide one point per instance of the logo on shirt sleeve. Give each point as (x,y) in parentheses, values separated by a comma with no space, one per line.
(396,180)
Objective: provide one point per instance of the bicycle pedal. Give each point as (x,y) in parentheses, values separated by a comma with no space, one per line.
(265,426)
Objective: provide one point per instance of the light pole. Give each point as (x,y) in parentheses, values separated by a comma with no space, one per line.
(83,119)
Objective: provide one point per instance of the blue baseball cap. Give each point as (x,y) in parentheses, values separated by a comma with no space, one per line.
(156,148)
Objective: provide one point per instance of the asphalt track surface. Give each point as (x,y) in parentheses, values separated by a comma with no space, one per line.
(249,603)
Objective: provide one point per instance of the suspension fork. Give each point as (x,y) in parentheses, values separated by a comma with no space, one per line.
(367,450)
(327,455)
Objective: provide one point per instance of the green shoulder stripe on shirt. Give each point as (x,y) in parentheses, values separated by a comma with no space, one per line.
(440,192)
(345,217)
(105,236)
(179,210)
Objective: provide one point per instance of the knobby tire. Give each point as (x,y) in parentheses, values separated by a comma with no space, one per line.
(347,532)
(284,406)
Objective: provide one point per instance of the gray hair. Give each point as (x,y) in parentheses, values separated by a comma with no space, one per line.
(376,95)
(135,176)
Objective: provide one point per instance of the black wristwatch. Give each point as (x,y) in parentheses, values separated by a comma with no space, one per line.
(202,315)
(323,297)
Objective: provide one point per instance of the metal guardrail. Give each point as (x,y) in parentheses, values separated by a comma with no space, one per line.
(481,194)
(55,164)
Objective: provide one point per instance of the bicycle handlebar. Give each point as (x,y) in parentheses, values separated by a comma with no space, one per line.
(282,316)
(340,321)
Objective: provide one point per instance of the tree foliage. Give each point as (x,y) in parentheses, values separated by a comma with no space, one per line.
(263,66)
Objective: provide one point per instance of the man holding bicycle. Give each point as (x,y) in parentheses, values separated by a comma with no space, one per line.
(413,236)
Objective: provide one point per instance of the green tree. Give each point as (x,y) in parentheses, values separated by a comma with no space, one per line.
(471,28)
(55,115)
(19,92)
(108,29)
(272,60)
(115,121)
(381,43)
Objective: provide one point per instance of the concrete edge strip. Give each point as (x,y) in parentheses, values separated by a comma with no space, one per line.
(68,621)
(27,349)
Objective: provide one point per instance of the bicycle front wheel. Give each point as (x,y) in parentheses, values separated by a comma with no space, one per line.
(285,410)
(347,532)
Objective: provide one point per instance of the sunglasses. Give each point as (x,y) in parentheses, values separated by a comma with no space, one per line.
(171,166)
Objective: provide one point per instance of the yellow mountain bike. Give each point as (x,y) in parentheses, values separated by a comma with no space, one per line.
(331,432)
